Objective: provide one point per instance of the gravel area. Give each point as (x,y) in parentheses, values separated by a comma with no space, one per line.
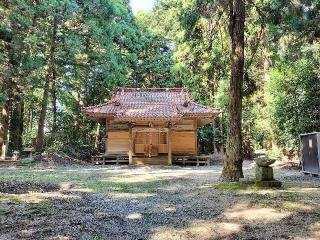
(21,187)
(154,202)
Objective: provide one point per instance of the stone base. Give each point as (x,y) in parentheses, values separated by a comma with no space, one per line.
(269,184)
(260,184)
(264,173)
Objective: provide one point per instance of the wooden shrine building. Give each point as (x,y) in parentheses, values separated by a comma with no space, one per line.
(151,122)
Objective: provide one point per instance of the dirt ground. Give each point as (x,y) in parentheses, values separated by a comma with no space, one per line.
(154,202)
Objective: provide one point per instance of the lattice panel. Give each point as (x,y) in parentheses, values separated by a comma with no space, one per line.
(139,138)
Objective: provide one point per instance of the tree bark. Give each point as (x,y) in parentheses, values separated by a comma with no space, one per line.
(16,127)
(54,103)
(1,133)
(87,83)
(4,130)
(221,133)
(7,87)
(232,169)
(97,141)
(30,120)
(50,77)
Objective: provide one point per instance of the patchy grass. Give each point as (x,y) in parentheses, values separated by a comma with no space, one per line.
(94,179)
(3,211)
(9,199)
(27,162)
(247,185)
(79,178)
(226,186)
(41,208)
(154,203)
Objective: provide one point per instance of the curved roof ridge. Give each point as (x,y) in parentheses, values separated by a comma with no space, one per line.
(201,105)
(152,89)
(99,105)
(151,103)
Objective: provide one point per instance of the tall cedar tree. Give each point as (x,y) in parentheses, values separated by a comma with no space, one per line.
(232,169)
(51,77)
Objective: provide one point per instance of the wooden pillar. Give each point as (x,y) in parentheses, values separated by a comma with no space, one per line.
(107,132)
(213,133)
(169,146)
(195,128)
(221,132)
(130,146)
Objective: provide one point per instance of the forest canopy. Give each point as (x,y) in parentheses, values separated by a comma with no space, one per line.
(59,56)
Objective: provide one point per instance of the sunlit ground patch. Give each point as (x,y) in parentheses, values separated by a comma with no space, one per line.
(314,231)
(303,190)
(198,229)
(34,197)
(82,190)
(134,216)
(297,206)
(129,195)
(133,179)
(254,214)
(169,209)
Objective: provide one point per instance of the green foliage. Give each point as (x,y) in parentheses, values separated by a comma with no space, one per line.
(27,162)
(295,104)
(2,98)
(274,153)
(205,135)
(100,45)
(98,48)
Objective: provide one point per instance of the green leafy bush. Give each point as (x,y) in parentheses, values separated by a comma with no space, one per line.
(295,89)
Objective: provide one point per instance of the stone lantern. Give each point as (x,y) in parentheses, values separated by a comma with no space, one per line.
(264,173)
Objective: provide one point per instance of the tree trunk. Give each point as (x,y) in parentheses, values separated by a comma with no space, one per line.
(7,87)
(97,141)
(232,169)
(1,133)
(16,127)
(54,103)
(50,77)
(221,134)
(4,130)
(87,83)
(30,121)
(40,135)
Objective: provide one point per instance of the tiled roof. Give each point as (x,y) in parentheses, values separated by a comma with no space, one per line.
(150,103)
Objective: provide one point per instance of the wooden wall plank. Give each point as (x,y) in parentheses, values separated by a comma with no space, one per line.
(184,125)
(118,142)
(184,142)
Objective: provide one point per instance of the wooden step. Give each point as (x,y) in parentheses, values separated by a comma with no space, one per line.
(104,159)
(150,161)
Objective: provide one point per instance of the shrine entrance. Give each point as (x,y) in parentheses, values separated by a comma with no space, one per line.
(150,142)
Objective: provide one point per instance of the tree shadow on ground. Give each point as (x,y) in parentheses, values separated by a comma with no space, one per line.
(159,209)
